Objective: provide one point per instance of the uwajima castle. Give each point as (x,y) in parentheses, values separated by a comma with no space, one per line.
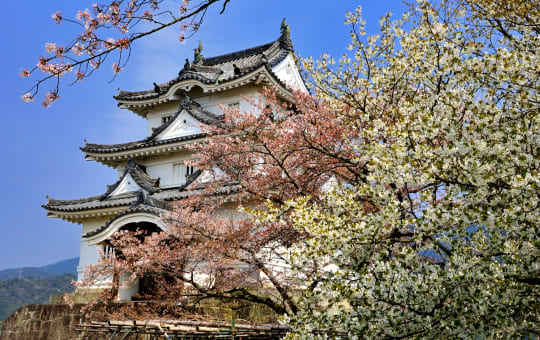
(153,172)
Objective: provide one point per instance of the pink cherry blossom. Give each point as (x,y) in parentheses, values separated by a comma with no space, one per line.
(94,64)
(59,51)
(78,49)
(89,48)
(25,73)
(116,68)
(50,47)
(79,75)
(50,97)
(27,97)
(57,16)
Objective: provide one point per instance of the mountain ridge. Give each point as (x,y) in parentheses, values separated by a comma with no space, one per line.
(68,266)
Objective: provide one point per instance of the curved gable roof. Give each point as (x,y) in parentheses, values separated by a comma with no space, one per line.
(187,105)
(219,69)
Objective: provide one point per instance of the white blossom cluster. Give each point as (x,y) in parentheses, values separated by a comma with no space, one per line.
(441,240)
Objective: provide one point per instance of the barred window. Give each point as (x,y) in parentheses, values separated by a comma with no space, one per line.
(165,119)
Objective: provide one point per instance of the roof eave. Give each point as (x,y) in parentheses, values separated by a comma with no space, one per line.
(80,216)
(187,85)
(113,158)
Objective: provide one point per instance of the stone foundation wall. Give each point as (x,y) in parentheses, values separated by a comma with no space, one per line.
(58,321)
(42,322)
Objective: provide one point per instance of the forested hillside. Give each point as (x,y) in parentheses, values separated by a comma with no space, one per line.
(22,291)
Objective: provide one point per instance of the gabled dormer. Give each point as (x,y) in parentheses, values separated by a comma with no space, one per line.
(173,135)
(185,122)
(133,179)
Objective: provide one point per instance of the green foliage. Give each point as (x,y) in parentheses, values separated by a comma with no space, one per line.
(15,293)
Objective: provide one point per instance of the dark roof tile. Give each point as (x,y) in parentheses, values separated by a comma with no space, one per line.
(90,203)
(143,207)
(139,176)
(157,198)
(192,107)
(221,68)
(151,185)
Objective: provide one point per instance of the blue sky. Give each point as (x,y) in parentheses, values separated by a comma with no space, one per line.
(41,153)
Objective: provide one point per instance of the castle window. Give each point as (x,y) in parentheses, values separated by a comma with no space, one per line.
(189,171)
(181,172)
(108,250)
(165,119)
(234,106)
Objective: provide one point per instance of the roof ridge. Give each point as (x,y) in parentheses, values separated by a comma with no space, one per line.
(138,175)
(110,148)
(143,179)
(54,201)
(87,144)
(218,69)
(235,55)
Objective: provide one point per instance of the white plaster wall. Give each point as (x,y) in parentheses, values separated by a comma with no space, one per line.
(288,73)
(212,102)
(89,254)
(209,102)
(162,167)
(126,292)
(128,184)
(155,115)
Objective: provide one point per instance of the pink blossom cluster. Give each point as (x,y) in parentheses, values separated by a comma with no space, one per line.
(183,8)
(57,50)
(147,15)
(79,75)
(50,97)
(57,16)
(182,38)
(52,67)
(84,16)
(78,49)
(95,64)
(27,97)
(116,68)
(109,44)
(89,49)
(25,73)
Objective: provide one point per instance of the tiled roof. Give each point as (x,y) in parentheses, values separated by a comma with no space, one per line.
(90,203)
(110,148)
(192,107)
(142,207)
(221,68)
(142,179)
(158,203)
(156,196)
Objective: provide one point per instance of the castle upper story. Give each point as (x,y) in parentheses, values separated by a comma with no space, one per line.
(154,171)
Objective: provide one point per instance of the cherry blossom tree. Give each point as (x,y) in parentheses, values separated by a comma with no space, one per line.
(447,98)
(108,31)
(251,162)
(399,200)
